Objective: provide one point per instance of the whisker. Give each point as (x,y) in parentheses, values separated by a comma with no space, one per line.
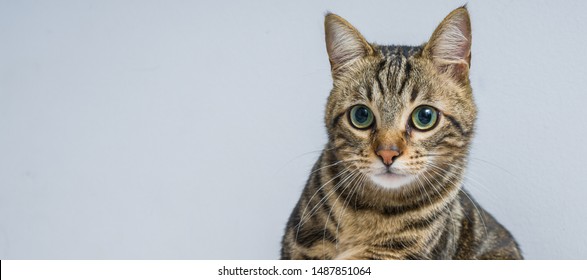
(302,155)
(478,212)
(470,178)
(494,165)
(350,183)
(470,199)
(422,186)
(332,192)
(301,222)
(450,216)
(348,174)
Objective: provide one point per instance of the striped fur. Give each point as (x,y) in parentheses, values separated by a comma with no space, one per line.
(346,211)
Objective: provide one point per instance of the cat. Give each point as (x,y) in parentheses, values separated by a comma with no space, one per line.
(388,184)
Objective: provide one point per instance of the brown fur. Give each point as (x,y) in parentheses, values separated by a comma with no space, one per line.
(342,213)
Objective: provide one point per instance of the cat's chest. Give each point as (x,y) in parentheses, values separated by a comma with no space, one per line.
(367,227)
(371,228)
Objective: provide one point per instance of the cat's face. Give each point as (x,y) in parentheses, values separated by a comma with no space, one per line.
(400,115)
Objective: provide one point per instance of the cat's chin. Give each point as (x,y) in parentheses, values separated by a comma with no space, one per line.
(391,181)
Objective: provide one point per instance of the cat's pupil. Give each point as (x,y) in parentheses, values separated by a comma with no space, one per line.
(362,115)
(425,116)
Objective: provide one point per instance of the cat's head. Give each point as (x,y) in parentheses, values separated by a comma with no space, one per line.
(401,114)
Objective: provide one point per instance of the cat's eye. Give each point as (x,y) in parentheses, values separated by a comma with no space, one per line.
(361,116)
(424,117)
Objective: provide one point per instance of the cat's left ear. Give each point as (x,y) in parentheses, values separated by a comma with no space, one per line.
(449,48)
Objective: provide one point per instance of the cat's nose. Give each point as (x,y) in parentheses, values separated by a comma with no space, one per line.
(388,154)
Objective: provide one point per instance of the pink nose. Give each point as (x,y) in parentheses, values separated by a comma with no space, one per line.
(387,155)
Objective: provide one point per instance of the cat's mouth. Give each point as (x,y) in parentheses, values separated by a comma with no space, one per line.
(390,179)
(389,174)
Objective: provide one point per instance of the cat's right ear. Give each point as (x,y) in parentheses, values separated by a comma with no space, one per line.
(345,45)
(449,48)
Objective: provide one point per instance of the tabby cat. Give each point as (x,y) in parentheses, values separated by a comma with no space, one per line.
(388,184)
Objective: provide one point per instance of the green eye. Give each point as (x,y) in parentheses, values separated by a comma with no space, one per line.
(361,116)
(424,117)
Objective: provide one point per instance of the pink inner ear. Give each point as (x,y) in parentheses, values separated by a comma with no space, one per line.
(464,50)
(451,41)
(450,45)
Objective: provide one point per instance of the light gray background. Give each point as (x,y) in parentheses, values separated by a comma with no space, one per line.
(187,129)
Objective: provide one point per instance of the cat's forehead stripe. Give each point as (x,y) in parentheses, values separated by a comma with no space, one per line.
(414,94)
(380,68)
(396,62)
(407,68)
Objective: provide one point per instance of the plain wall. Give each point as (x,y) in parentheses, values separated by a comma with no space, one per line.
(186,130)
